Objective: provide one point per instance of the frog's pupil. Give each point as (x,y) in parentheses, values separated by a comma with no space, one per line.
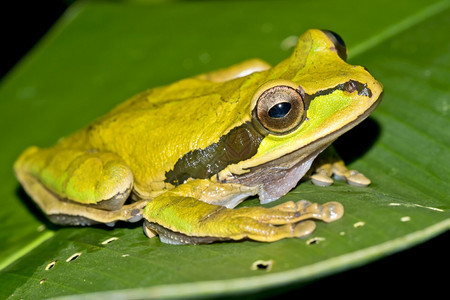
(279,110)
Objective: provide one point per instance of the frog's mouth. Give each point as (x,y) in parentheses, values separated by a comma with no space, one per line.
(277,177)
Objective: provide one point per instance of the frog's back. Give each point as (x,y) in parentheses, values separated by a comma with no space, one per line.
(156,128)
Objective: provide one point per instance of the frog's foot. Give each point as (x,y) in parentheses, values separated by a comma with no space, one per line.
(334,165)
(207,223)
(303,209)
(322,175)
(353,177)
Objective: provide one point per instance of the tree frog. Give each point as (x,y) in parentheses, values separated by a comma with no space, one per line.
(183,156)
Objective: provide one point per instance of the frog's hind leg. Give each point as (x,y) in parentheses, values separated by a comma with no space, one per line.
(216,223)
(328,164)
(252,230)
(181,219)
(78,187)
(239,70)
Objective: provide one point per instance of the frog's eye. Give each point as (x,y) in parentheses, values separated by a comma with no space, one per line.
(339,45)
(280,109)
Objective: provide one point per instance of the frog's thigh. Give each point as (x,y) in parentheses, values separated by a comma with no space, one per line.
(91,180)
(328,164)
(239,70)
(186,220)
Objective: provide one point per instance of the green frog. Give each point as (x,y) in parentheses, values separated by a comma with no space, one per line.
(183,156)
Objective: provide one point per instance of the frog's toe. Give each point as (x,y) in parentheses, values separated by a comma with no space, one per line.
(291,213)
(357,179)
(304,228)
(135,219)
(328,212)
(331,211)
(111,224)
(353,177)
(321,180)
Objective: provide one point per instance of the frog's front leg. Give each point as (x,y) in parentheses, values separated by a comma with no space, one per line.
(328,164)
(78,187)
(180,217)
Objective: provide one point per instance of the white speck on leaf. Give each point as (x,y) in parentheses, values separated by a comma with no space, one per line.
(405,219)
(359,224)
(109,240)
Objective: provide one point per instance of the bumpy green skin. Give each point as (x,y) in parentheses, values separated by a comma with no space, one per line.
(184,149)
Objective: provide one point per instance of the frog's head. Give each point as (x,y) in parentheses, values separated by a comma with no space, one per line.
(306,102)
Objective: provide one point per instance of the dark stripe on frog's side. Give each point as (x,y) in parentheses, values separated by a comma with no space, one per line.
(239,144)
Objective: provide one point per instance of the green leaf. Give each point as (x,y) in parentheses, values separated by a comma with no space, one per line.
(101,53)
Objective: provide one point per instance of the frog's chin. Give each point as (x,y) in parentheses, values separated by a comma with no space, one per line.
(282,181)
(276,178)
